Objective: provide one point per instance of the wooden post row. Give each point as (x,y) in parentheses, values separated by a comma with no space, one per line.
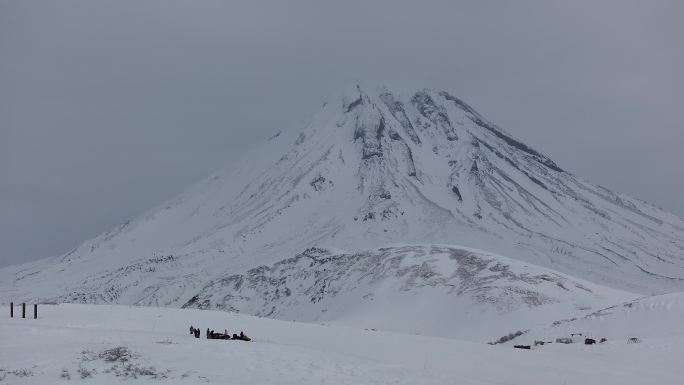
(23,310)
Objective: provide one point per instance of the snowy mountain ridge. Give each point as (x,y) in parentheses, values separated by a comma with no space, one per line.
(468,294)
(372,168)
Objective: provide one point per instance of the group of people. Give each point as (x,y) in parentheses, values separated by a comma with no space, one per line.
(212,335)
(194,332)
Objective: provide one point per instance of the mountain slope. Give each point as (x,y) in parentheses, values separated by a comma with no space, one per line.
(648,318)
(371,169)
(426,289)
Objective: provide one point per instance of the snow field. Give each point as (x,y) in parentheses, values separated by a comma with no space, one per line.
(69,342)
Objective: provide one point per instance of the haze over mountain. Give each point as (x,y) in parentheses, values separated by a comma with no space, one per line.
(112,107)
(373,172)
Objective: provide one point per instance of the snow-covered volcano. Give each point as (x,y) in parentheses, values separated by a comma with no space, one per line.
(373,168)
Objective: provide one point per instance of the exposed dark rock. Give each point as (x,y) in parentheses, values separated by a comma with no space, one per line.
(354,104)
(458,193)
(434,113)
(514,143)
(397,110)
(371,135)
(458,102)
(317,183)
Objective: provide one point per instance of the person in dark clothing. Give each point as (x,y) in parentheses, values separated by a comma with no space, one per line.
(197,333)
(192,329)
(207,333)
(243,337)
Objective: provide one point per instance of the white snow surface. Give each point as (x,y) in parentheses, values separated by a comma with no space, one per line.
(372,169)
(654,317)
(436,290)
(105,344)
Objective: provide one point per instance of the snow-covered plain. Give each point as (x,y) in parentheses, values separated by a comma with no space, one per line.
(103,344)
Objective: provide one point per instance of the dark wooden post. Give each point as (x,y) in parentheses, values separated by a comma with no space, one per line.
(11,309)
(35,311)
(23,310)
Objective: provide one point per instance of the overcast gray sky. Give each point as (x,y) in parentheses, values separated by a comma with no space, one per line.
(108,108)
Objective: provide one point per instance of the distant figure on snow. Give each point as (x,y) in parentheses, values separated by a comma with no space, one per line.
(243,337)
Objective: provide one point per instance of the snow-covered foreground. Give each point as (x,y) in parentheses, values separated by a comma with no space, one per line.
(107,344)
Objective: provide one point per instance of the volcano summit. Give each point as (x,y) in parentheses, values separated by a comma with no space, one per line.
(376,182)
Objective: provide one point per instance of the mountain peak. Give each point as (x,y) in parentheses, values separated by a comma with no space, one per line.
(435,116)
(374,168)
